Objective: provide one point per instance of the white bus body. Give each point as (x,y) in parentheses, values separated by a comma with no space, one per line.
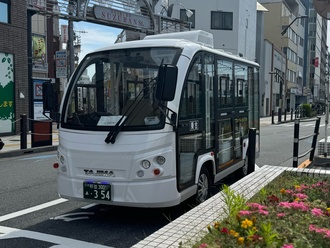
(125,141)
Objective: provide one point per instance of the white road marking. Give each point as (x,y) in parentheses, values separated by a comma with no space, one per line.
(31,209)
(69,217)
(61,242)
(89,206)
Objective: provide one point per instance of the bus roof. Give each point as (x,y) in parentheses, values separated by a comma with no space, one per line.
(196,40)
(198,36)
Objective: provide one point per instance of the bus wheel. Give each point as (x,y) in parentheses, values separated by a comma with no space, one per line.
(203,186)
(243,171)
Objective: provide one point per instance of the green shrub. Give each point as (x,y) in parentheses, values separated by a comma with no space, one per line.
(307,110)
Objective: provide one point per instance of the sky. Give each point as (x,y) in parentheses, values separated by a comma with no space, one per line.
(93,36)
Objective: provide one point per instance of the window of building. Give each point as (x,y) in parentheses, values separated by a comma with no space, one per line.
(5,11)
(292,56)
(221,20)
(301,41)
(302,22)
(184,17)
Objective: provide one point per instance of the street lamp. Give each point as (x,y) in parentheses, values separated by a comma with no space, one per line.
(297,17)
(283,78)
(281,85)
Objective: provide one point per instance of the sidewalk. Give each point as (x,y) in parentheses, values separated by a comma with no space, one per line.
(265,121)
(12,145)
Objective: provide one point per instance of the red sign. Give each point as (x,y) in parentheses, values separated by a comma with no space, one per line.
(316,62)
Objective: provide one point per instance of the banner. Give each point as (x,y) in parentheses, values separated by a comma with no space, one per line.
(64,34)
(39,48)
(7,98)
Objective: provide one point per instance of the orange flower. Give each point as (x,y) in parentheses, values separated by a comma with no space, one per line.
(246,223)
(240,240)
(216,225)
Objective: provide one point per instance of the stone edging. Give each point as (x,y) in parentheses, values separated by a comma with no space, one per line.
(193,223)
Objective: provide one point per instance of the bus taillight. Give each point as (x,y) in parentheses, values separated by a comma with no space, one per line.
(157,172)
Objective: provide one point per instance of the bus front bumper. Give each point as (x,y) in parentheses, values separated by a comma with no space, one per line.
(153,194)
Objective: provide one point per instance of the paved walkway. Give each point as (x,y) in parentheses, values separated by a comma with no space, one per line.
(12,145)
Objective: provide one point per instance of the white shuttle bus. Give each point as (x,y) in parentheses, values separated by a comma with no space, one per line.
(154,122)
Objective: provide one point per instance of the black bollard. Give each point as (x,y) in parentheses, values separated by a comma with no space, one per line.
(252,150)
(23,131)
(279,115)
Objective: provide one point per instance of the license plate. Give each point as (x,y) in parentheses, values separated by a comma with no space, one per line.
(97,191)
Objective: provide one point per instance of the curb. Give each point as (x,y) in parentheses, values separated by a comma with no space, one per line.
(13,153)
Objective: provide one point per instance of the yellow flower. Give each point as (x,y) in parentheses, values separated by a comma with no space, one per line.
(246,223)
(297,199)
(328,209)
(216,225)
(282,191)
(254,229)
(297,187)
(233,233)
(209,228)
(240,240)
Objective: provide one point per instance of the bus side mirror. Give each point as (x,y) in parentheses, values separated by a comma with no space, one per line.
(166,85)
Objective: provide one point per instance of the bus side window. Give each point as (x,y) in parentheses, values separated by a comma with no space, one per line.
(241,93)
(191,99)
(225,82)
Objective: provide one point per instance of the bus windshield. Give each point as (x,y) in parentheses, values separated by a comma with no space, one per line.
(117,87)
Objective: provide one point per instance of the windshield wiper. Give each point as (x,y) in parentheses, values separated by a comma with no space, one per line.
(111,137)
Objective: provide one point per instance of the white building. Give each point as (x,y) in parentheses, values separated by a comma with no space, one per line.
(232,23)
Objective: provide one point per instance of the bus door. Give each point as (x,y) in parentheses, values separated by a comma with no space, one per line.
(241,124)
(225,154)
(232,112)
(190,126)
(225,116)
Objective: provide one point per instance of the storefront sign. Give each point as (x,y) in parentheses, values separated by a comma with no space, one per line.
(40,67)
(61,64)
(125,18)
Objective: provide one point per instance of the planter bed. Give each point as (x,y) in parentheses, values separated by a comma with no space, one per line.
(190,225)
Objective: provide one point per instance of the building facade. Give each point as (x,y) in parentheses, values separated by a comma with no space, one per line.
(316,54)
(14,90)
(27,45)
(286,15)
(230,22)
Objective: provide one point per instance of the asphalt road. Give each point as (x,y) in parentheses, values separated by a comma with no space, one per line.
(276,142)
(32,215)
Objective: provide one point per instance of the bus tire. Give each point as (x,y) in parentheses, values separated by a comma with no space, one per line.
(203,186)
(244,170)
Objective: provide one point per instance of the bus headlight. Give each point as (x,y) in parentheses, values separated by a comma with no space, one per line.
(145,164)
(160,160)
(62,159)
(140,173)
